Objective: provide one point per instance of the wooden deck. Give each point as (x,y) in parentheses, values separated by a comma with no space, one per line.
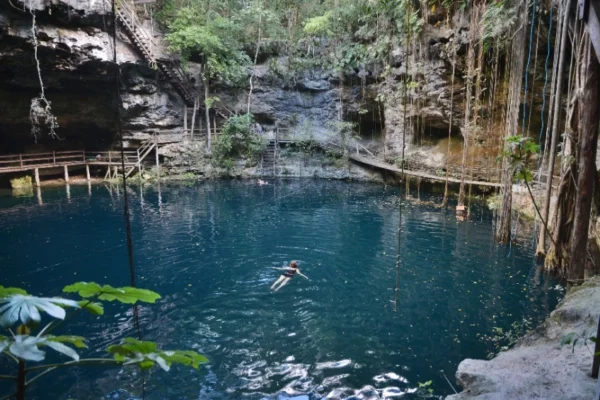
(375,163)
(112,160)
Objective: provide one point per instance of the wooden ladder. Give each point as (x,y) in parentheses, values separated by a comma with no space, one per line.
(268,157)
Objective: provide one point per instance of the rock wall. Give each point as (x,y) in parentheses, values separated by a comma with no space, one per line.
(75,52)
(539,367)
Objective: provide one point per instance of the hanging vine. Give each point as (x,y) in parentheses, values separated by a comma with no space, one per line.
(40,111)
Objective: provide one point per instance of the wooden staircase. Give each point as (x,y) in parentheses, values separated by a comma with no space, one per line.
(145,149)
(269,159)
(144,44)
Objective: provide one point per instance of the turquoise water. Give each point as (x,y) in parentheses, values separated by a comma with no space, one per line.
(209,248)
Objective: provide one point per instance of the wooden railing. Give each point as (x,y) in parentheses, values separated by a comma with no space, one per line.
(22,162)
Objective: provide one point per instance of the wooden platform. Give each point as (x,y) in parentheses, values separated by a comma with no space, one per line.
(375,163)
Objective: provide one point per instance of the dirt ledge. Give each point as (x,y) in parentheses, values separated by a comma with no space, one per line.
(539,367)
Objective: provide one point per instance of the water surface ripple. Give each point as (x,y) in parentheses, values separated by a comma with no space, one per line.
(209,248)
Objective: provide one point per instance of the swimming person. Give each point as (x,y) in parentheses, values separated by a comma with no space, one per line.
(287,275)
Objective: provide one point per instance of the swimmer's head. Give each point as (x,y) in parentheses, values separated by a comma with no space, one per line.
(294,264)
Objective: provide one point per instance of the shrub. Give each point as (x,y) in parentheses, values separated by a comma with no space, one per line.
(238,139)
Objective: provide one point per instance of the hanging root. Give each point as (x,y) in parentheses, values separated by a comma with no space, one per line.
(40,114)
(40,111)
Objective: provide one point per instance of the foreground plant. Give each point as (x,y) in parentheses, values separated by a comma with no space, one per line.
(21,315)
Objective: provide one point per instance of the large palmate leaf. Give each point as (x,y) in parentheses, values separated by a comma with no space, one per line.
(128,295)
(91,307)
(10,291)
(146,355)
(27,308)
(27,347)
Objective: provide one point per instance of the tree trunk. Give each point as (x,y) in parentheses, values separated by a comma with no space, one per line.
(196,101)
(255,60)
(517,66)
(445,200)
(207,108)
(541,248)
(21,380)
(588,140)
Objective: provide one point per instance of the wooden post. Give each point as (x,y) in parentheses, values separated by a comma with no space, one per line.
(87,172)
(184,120)
(36,174)
(83,155)
(596,363)
(66,173)
(157,163)
(109,158)
(54,157)
(39,196)
(357,153)
(21,160)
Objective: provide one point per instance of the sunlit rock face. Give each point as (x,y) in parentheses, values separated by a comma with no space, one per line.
(75,53)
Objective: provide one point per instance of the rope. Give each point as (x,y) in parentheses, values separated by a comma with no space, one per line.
(548,50)
(405,95)
(528,64)
(127,215)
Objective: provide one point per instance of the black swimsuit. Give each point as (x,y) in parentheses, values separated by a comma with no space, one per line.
(290,273)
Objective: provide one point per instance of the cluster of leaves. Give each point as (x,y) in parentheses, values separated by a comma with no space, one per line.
(503,340)
(498,20)
(19,308)
(347,33)
(573,337)
(238,138)
(212,36)
(518,151)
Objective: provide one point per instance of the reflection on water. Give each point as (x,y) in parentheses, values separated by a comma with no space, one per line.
(208,249)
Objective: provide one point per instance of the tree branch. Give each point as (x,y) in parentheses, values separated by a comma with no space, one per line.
(84,361)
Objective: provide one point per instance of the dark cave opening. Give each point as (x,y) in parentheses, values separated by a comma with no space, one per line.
(368,124)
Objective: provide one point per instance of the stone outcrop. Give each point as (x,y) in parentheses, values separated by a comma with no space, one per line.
(75,51)
(539,367)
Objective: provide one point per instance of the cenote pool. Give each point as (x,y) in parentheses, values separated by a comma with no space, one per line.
(209,248)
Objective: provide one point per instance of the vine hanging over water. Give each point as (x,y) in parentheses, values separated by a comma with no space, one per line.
(40,111)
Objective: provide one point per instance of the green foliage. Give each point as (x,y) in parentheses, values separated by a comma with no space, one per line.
(216,38)
(319,25)
(127,295)
(238,138)
(498,21)
(519,150)
(146,354)
(91,307)
(16,306)
(573,337)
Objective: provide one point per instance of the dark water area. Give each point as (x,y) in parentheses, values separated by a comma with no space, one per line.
(209,249)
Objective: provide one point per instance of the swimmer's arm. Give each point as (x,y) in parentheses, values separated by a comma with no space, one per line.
(302,275)
(280,268)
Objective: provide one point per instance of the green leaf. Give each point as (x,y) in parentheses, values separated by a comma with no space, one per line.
(146,355)
(10,291)
(567,339)
(91,307)
(77,341)
(593,339)
(185,357)
(127,294)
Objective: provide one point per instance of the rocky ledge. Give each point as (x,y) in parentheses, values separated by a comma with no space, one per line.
(540,367)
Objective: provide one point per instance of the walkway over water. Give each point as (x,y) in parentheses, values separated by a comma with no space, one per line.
(379,164)
(113,160)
